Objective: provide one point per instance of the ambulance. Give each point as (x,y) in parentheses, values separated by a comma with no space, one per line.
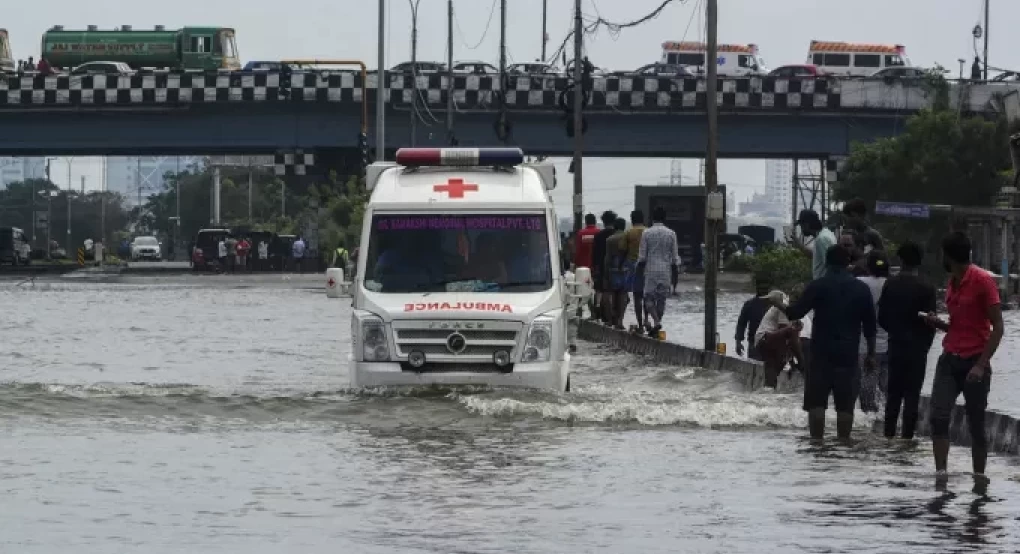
(458,282)
(855,59)
(735,60)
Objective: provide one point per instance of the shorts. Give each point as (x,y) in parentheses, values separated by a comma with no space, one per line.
(951,380)
(843,383)
(635,281)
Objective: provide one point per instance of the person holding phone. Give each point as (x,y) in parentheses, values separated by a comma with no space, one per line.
(973,333)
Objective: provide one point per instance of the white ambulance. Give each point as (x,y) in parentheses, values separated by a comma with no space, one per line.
(855,59)
(459,280)
(735,60)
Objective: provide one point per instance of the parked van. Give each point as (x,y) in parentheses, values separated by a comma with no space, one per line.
(854,59)
(458,280)
(14,247)
(735,60)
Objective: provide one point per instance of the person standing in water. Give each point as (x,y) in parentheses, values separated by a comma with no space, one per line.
(659,258)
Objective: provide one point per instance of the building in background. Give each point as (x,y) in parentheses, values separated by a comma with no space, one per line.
(14,170)
(137,178)
(779,184)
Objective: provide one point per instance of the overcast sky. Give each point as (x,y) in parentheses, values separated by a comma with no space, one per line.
(934,31)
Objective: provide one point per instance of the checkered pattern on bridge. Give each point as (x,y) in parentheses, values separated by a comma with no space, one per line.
(470,91)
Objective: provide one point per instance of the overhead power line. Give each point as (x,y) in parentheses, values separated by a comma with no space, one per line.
(492,11)
(613,27)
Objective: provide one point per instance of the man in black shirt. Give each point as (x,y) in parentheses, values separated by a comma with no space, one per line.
(843,309)
(903,298)
(598,255)
(750,317)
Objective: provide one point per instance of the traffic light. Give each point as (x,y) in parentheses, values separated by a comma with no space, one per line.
(366,156)
(285,84)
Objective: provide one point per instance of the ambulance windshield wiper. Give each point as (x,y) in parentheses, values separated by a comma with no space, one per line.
(537,283)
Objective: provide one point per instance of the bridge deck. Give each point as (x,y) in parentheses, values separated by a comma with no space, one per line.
(483,92)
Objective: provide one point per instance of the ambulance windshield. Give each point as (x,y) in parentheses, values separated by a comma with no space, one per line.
(458,253)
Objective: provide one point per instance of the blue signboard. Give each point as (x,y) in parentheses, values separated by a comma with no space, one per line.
(903,209)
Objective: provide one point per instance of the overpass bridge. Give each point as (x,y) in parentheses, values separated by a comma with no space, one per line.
(320,113)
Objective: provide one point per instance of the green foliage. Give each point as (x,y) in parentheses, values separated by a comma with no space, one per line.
(936,85)
(781,267)
(19,199)
(739,264)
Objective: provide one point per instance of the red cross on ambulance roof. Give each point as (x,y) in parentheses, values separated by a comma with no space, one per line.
(455,188)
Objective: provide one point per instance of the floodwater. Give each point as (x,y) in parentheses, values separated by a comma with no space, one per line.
(182,418)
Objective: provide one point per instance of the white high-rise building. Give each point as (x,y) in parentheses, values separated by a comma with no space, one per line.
(779,183)
(13,170)
(137,178)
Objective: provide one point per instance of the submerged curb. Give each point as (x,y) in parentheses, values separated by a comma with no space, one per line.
(1003,431)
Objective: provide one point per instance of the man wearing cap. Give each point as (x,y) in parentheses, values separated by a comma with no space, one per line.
(811,226)
(777,338)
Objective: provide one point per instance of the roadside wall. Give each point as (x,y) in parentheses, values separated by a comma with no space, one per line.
(1003,431)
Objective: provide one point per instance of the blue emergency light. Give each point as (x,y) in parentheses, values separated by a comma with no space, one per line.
(435,157)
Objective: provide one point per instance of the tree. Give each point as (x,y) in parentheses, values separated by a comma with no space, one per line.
(20,198)
(940,158)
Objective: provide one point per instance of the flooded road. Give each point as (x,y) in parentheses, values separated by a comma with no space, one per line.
(185,418)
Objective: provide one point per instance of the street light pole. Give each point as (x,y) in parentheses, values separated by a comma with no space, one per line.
(711,172)
(987,13)
(380,94)
(578,97)
(67,245)
(449,71)
(414,69)
(545,32)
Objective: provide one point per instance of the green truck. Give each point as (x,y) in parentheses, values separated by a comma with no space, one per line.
(6,60)
(188,48)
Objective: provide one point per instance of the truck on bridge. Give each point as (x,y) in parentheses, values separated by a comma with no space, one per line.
(188,48)
(6,60)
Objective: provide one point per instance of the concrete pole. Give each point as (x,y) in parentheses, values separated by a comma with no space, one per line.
(102,207)
(380,88)
(250,186)
(987,18)
(578,98)
(70,249)
(545,28)
(177,229)
(449,71)
(216,195)
(711,172)
(414,70)
(795,185)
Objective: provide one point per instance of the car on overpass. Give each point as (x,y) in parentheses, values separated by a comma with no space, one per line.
(103,68)
(900,74)
(657,69)
(419,67)
(267,66)
(475,68)
(533,68)
(797,71)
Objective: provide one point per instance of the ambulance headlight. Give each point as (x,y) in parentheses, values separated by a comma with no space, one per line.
(539,344)
(373,340)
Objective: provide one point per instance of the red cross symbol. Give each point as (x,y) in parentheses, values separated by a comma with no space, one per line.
(455,188)
(331,282)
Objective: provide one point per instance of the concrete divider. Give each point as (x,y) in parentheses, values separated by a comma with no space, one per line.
(1003,431)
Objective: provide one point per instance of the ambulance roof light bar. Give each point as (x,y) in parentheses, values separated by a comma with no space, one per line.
(459,157)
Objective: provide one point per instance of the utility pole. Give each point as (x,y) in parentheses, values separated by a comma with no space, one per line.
(987,13)
(177,229)
(545,32)
(711,174)
(250,185)
(138,180)
(449,71)
(578,98)
(414,69)
(102,207)
(69,189)
(216,195)
(380,90)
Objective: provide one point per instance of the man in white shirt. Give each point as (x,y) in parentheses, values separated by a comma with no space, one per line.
(263,254)
(811,226)
(222,253)
(777,339)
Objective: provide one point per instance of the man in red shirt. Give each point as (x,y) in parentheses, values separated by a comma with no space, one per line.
(972,337)
(585,241)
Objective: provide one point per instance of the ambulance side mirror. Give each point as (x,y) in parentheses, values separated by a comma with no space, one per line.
(546,172)
(374,171)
